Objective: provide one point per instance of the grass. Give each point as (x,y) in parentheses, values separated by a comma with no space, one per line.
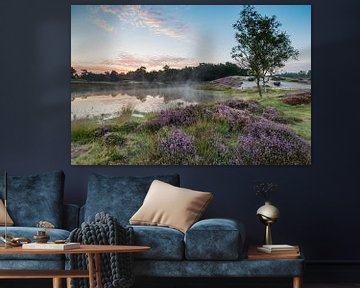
(125,141)
(298,116)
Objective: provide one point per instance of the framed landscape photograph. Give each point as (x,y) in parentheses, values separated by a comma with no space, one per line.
(190,84)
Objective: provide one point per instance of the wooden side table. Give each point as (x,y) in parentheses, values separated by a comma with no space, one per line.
(254,254)
(93,251)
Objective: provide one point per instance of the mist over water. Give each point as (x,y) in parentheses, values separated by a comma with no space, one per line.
(105,103)
(97,104)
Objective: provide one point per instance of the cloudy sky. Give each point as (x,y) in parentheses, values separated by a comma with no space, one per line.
(125,37)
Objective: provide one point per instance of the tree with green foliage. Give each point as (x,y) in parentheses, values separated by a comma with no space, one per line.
(261,46)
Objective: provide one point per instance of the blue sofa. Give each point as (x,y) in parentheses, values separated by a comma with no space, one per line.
(210,248)
(32,199)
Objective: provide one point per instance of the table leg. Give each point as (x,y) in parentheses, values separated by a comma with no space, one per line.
(297,282)
(68,282)
(91,270)
(57,283)
(98,270)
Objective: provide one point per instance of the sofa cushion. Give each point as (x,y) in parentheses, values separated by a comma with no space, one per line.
(35,198)
(169,206)
(119,196)
(214,239)
(29,232)
(9,221)
(165,243)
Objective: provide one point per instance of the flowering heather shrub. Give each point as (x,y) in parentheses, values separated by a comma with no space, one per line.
(251,105)
(177,147)
(273,114)
(223,153)
(176,117)
(297,99)
(234,117)
(270,143)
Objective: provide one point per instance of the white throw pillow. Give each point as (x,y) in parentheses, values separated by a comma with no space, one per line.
(170,206)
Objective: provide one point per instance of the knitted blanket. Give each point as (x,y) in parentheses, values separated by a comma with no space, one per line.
(116,268)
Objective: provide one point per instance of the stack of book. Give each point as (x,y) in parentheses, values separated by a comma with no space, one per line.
(51,246)
(274,252)
(279,249)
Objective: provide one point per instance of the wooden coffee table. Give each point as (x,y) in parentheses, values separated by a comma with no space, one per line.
(92,251)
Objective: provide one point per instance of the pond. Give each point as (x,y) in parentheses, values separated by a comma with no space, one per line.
(100,104)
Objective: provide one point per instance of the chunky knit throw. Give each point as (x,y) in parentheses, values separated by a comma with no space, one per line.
(116,268)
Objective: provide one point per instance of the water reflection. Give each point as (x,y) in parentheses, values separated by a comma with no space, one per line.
(102,103)
(97,104)
(108,106)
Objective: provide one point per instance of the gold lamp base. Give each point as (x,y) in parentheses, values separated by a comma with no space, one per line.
(268,238)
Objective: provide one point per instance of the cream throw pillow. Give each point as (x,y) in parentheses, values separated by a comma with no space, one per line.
(10,222)
(170,206)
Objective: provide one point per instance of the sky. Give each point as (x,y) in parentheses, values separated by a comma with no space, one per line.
(126,37)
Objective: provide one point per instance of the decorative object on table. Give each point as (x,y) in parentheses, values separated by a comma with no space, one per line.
(278,249)
(116,268)
(51,246)
(255,254)
(11,241)
(268,213)
(41,236)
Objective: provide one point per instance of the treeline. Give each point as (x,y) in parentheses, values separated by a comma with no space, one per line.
(202,72)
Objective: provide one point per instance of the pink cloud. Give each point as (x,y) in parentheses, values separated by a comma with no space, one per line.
(103,25)
(133,61)
(141,16)
(125,62)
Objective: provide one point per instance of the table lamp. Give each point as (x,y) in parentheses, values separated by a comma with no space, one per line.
(268,214)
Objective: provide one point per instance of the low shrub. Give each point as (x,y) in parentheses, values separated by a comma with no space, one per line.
(177,148)
(174,117)
(251,105)
(269,143)
(128,127)
(297,99)
(235,118)
(273,114)
(113,139)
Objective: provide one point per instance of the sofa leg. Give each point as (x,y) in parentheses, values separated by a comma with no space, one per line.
(297,282)
(57,283)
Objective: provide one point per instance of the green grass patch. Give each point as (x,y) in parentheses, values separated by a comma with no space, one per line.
(298,116)
(83,130)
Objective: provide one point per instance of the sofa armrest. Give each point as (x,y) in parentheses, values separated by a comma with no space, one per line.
(215,239)
(71,216)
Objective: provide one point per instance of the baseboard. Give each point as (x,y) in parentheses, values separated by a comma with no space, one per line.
(332,271)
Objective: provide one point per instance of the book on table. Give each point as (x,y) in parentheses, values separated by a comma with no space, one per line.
(254,253)
(278,249)
(51,246)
